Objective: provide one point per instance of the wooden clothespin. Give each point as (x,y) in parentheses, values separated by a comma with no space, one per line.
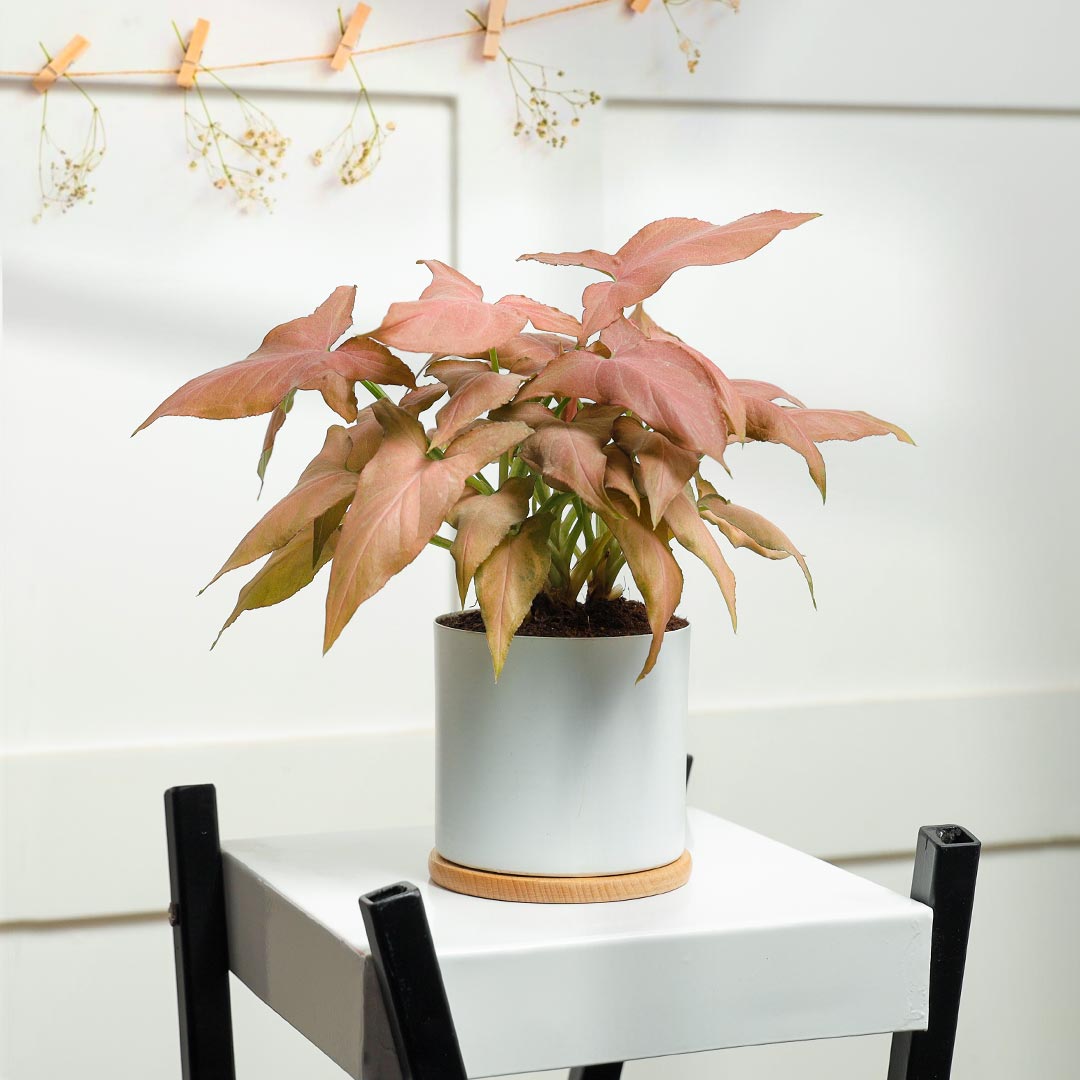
(350,37)
(638,6)
(495,14)
(60,63)
(190,66)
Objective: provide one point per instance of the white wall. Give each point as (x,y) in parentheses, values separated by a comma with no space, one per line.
(939,677)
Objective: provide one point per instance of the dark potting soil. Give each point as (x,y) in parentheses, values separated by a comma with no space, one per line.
(598,618)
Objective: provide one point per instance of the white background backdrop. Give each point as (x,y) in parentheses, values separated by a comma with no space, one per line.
(937,681)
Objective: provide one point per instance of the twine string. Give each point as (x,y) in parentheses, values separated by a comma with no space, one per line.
(124,72)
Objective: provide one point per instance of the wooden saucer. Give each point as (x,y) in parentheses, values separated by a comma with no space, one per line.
(522,889)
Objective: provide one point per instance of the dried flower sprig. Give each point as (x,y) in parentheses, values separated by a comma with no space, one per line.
(360,141)
(245,163)
(539,104)
(687,45)
(63,177)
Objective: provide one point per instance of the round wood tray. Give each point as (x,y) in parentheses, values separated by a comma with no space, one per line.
(522,889)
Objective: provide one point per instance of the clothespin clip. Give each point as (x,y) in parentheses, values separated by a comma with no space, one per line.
(190,66)
(60,63)
(638,6)
(495,14)
(350,37)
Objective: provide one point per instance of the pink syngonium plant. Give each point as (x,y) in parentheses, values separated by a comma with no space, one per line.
(598,428)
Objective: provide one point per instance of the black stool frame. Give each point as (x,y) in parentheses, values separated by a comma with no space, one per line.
(946,863)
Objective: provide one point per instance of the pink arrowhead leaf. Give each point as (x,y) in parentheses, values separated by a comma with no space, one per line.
(765,391)
(766,422)
(653,254)
(597,419)
(653,379)
(482,521)
(527,412)
(325,482)
(284,574)
(730,400)
(543,316)
(623,334)
(277,422)
(684,521)
(654,568)
(451,316)
(570,458)
(365,435)
(401,501)
(381,365)
(507,583)
(663,469)
(824,425)
(472,393)
(739,525)
(527,354)
(294,356)
(619,475)
(422,398)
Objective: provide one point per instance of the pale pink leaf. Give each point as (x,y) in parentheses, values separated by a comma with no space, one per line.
(740,525)
(542,316)
(283,575)
(824,425)
(657,574)
(619,475)
(293,356)
(765,391)
(766,422)
(323,483)
(684,521)
(653,254)
(653,379)
(453,372)
(450,317)
(731,402)
(277,422)
(569,458)
(422,398)
(527,412)
(528,354)
(366,435)
(508,581)
(621,334)
(471,396)
(482,521)
(401,501)
(596,419)
(663,469)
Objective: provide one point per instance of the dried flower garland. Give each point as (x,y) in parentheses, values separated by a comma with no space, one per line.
(247,157)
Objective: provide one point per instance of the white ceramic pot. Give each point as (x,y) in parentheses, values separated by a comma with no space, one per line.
(566,766)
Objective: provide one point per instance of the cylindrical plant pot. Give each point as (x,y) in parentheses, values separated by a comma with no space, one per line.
(566,767)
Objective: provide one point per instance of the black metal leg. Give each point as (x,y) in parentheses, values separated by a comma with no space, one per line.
(946,865)
(200,937)
(408,972)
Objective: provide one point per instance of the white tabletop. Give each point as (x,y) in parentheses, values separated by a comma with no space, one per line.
(764,944)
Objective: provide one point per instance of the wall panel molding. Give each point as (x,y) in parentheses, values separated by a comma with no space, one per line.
(83,829)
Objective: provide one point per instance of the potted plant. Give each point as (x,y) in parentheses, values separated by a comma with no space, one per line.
(559,456)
